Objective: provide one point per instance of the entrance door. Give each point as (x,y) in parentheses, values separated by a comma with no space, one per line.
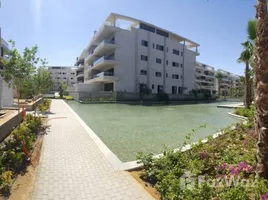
(108,87)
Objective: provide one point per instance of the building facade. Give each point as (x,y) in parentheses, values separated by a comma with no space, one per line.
(121,59)
(63,74)
(6,93)
(205,78)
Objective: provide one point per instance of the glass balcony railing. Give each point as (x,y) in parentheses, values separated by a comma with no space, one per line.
(103,74)
(103,58)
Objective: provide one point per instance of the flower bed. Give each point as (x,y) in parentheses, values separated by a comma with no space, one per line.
(13,156)
(45,105)
(222,168)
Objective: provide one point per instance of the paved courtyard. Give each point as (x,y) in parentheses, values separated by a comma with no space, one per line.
(73,167)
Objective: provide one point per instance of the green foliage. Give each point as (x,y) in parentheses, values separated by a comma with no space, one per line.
(63,89)
(11,154)
(249,113)
(162,96)
(45,105)
(230,154)
(68,97)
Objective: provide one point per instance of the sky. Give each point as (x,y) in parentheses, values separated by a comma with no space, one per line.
(63,28)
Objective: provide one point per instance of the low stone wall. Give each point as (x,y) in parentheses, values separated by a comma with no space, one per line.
(7,127)
(32,106)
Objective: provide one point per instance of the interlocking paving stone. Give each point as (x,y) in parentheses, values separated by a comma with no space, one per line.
(73,167)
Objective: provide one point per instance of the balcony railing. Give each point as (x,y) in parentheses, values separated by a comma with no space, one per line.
(103,58)
(4,42)
(103,74)
(79,73)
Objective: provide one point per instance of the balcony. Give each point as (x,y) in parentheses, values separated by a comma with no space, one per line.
(103,48)
(103,77)
(104,63)
(4,44)
(80,74)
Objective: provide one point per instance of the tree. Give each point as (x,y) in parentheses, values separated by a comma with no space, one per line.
(245,57)
(18,69)
(63,89)
(219,77)
(42,80)
(261,88)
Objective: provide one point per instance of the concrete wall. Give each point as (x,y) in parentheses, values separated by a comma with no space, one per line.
(7,127)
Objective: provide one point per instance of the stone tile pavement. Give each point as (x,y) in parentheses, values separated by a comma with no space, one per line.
(73,167)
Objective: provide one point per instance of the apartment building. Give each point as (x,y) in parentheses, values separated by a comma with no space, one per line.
(120,59)
(205,78)
(228,82)
(6,94)
(63,74)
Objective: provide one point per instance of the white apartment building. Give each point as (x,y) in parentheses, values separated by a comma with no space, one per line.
(228,82)
(119,59)
(63,74)
(6,94)
(205,78)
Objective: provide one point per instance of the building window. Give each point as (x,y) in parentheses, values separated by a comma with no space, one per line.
(175,64)
(143,57)
(175,76)
(144,43)
(158,74)
(180,90)
(159,47)
(152,86)
(72,73)
(64,77)
(176,52)
(159,88)
(153,45)
(174,89)
(166,62)
(166,74)
(63,73)
(143,72)
(72,78)
(181,65)
(158,60)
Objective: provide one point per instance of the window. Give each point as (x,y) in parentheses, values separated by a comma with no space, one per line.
(175,64)
(180,90)
(176,52)
(144,43)
(174,89)
(181,65)
(63,73)
(152,86)
(175,76)
(160,88)
(64,77)
(162,33)
(72,78)
(153,45)
(158,74)
(143,72)
(159,47)
(158,60)
(72,73)
(166,74)
(147,27)
(59,72)
(143,57)
(166,62)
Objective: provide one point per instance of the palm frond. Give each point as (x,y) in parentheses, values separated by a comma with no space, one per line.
(251,29)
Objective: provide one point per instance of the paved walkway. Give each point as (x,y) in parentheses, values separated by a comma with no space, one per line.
(73,167)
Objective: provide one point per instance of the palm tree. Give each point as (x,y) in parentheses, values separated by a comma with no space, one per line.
(245,58)
(261,85)
(219,77)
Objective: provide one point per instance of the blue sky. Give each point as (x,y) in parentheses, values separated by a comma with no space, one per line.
(62,28)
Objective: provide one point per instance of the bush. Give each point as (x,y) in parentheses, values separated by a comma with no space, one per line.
(249,113)
(68,97)
(12,155)
(229,155)
(162,96)
(45,105)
